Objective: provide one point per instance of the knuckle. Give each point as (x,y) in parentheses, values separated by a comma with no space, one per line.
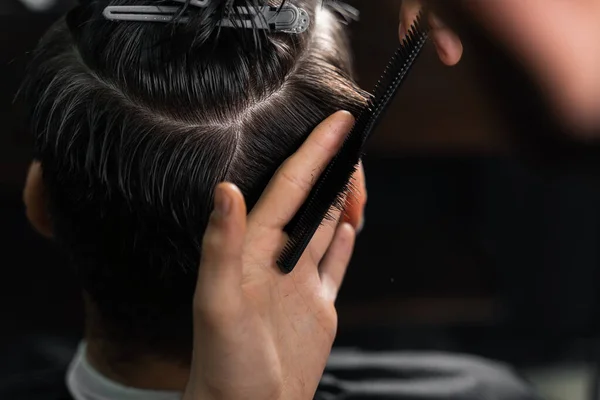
(332,329)
(212,241)
(296,180)
(329,322)
(325,145)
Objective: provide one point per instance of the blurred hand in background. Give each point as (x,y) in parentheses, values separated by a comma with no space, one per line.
(557,41)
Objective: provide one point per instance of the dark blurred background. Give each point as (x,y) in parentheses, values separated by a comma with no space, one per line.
(468,246)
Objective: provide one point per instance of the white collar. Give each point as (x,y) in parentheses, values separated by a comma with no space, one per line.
(85,383)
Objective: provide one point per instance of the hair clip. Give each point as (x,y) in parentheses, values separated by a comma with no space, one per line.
(344,10)
(287,19)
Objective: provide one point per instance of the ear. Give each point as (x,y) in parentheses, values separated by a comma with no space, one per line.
(356,201)
(36,205)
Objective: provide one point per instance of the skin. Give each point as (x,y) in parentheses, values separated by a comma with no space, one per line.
(258,334)
(556,40)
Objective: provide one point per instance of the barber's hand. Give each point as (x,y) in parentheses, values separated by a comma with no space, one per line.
(558,42)
(260,334)
(447,43)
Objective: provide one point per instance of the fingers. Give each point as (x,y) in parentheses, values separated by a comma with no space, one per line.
(353,213)
(448,45)
(322,238)
(218,291)
(292,183)
(334,265)
(356,200)
(408,13)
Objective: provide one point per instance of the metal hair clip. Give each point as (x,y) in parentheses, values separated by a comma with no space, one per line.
(287,19)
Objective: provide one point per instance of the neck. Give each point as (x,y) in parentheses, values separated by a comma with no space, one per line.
(146,373)
(134,370)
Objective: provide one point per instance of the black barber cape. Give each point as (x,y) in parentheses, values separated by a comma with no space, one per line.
(37,372)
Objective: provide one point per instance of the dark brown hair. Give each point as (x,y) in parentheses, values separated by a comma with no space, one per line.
(135,124)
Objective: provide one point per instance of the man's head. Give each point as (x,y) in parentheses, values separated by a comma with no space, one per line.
(136,123)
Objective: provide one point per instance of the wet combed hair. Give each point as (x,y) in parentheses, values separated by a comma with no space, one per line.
(136,123)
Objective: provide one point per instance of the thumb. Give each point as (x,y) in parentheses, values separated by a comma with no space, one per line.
(218,291)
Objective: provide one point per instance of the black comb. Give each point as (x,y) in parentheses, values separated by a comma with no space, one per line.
(335,179)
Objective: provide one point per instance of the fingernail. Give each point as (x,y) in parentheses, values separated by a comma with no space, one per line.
(222,203)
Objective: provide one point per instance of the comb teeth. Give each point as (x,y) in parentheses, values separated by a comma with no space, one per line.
(335,179)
